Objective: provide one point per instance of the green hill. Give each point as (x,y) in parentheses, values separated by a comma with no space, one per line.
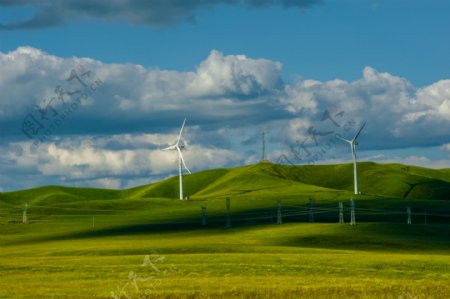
(387,180)
(169,188)
(49,195)
(394,180)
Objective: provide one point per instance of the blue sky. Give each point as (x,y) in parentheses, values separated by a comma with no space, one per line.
(335,39)
(232,67)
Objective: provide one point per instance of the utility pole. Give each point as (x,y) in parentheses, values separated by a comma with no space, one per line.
(352,212)
(204,215)
(311,210)
(279,217)
(341,212)
(408,212)
(93,221)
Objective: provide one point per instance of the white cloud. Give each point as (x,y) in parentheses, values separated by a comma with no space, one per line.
(397,113)
(229,98)
(410,160)
(446,147)
(226,87)
(221,87)
(77,159)
(221,76)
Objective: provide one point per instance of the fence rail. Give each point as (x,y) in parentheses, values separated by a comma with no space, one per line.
(339,212)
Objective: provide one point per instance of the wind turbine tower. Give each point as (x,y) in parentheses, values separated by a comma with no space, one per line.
(353,143)
(264,146)
(179,146)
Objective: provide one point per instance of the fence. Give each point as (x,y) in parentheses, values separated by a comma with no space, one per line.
(340,212)
(350,211)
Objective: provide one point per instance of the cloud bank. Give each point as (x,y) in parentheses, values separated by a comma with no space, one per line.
(114,136)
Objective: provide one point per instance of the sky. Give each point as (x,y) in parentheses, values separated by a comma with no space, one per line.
(91,91)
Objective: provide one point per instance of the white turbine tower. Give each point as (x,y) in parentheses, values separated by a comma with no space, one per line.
(178,146)
(353,143)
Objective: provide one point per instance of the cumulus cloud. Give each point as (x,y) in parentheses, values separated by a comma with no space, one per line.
(410,160)
(152,12)
(398,114)
(92,160)
(446,147)
(222,87)
(225,76)
(115,134)
(222,91)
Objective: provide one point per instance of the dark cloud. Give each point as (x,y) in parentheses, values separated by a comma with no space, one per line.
(42,19)
(141,12)
(19,2)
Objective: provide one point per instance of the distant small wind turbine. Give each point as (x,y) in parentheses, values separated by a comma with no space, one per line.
(264,146)
(353,143)
(178,146)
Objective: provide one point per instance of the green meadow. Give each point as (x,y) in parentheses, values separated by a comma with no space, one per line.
(145,243)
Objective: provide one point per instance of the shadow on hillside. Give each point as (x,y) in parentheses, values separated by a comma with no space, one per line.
(377,236)
(388,211)
(179,225)
(365,236)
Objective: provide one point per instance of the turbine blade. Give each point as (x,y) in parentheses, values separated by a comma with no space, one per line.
(359,132)
(342,138)
(182,160)
(184,164)
(169,148)
(181,131)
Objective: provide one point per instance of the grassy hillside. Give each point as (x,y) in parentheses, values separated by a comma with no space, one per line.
(169,188)
(265,179)
(394,180)
(255,191)
(93,243)
(271,261)
(57,194)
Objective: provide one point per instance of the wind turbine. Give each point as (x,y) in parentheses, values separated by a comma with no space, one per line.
(353,143)
(178,146)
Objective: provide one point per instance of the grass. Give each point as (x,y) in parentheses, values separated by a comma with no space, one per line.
(59,254)
(278,261)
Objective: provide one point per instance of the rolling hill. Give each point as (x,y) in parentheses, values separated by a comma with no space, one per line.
(85,243)
(395,180)
(387,180)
